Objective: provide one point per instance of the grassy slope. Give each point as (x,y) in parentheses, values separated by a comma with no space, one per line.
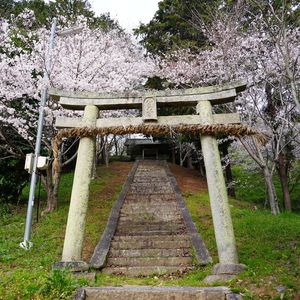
(27,274)
(268,245)
(251,187)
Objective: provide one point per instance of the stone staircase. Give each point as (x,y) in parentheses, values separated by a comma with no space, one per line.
(150,231)
(151,235)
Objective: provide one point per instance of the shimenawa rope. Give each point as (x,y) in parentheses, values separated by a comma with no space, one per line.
(155,130)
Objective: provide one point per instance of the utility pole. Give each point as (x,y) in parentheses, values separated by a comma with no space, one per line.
(26,244)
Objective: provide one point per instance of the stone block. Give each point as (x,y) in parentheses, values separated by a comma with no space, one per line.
(232,269)
(156,293)
(72,266)
(211,279)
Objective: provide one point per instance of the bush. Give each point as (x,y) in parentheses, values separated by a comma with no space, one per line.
(13,178)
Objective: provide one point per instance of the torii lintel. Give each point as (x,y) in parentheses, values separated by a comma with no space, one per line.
(190,97)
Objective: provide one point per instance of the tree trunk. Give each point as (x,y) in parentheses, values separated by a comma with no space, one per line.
(202,168)
(51,189)
(94,165)
(116,146)
(180,155)
(106,155)
(173,155)
(282,172)
(228,173)
(190,162)
(271,191)
(259,159)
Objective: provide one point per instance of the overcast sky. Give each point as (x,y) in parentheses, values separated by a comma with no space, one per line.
(129,13)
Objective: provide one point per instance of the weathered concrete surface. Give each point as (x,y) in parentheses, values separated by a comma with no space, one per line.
(155,232)
(228,268)
(72,266)
(224,272)
(74,236)
(217,192)
(216,94)
(149,109)
(218,278)
(155,293)
(65,122)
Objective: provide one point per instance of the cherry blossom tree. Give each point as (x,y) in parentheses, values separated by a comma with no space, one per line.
(266,59)
(88,60)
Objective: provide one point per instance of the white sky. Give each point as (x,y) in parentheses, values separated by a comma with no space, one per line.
(129,13)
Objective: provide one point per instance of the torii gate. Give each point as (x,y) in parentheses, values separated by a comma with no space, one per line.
(203,99)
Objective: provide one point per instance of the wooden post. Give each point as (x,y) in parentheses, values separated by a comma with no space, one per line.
(217,191)
(74,237)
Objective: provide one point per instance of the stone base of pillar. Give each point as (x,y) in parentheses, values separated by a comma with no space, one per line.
(224,272)
(72,266)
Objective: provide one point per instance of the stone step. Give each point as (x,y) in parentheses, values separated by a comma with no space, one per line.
(151,217)
(155,184)
(153,238)
(159,214)
(152,232)
(149,221)
(150,190)
(150,204)
(157,207)
(155,293)
(148,261)
(181,252)
(150,179)
(142,207)
(149,244)
(148,224)
(157,198)
(145,271)
(158,210)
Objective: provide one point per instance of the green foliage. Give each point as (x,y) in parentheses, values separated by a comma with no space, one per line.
(172,26)
(45,12)
(60,285)
(250,186)
(13,178)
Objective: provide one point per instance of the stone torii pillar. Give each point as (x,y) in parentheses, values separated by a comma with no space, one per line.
(228,258)
(74,236)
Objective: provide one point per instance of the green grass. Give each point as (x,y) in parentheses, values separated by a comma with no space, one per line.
(268,245)
(28,274)
(251,187)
